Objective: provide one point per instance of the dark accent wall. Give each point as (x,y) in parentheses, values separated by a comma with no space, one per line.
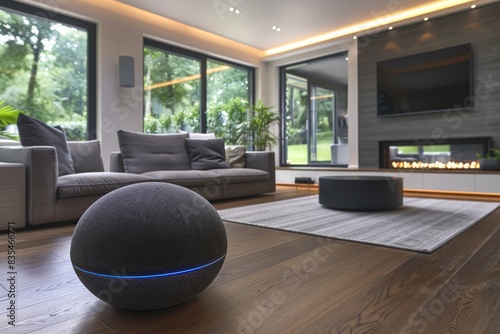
(481,28)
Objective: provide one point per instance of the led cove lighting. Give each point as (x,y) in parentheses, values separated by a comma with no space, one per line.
(173,273)
(376,23)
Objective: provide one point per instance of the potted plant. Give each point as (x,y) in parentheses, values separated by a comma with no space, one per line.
(490,161)
(262,124)
(8,116)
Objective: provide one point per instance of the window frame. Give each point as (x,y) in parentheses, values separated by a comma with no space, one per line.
(91,29)
(203,58)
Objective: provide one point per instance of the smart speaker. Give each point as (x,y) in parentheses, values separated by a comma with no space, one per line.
(148,246)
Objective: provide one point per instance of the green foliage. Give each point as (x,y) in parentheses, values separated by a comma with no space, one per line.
(8,116)
(494,154)
(262,125)
(230,121)
(75,129)
(43,70)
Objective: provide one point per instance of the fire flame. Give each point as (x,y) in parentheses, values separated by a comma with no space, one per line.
(435,165)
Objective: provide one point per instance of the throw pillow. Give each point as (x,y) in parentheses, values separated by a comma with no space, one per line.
(86,156)
(33,132)
(235,156)
(207,153)
(144,152)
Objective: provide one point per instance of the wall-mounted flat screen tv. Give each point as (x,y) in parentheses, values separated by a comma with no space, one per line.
(435,81)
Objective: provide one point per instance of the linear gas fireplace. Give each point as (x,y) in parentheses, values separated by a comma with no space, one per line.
(450,153)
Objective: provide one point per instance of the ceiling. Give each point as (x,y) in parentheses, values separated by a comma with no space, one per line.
(298,19)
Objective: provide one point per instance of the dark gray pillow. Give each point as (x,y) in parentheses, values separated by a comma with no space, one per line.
(144,152)
(33,132)
(207,153)
(86,156)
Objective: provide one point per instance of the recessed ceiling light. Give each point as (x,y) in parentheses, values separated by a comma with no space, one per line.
(231,9)
(398,16)
(276,28)
(426,19)
(346,58)
(473,6)
(354,37)
(390,28)
(237,11)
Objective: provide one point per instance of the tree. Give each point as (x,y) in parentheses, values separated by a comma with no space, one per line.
(23,34)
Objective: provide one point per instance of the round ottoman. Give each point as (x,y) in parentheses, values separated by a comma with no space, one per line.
(148,246)
(361,193)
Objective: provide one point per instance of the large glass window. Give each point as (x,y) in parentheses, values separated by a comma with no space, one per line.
(314,108)
(187,91)
(47,67)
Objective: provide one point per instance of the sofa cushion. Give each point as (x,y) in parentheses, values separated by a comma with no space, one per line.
(207,154)
(235,156)
(186,178)
(33,132)
(241,175)
(144,152)
(86,156)
(89,184)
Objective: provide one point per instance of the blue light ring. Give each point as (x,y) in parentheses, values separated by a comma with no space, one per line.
(173,273)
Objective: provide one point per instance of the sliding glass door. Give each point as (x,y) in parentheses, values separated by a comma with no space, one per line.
(314,106)
(322,130)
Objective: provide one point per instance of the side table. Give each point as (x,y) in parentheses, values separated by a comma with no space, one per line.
(12,195)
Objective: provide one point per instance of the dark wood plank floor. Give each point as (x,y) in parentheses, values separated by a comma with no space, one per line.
(277,282)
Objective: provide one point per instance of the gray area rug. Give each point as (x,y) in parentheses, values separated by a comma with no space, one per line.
(420,225)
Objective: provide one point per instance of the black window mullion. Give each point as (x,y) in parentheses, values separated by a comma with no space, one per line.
(203,97)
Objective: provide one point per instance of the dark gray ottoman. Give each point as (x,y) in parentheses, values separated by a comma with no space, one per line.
(361,193)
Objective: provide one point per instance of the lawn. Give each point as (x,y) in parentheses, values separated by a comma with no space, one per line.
(297,154)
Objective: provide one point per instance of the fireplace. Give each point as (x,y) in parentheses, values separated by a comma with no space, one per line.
(445,154)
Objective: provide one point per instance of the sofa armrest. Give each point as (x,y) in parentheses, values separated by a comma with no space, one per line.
(41,179)
(116,162)
(263,160)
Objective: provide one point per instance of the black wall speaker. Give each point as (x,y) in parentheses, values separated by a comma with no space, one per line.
(148,246)
(126,67)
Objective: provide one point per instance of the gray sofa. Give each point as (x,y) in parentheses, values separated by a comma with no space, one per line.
(52,198)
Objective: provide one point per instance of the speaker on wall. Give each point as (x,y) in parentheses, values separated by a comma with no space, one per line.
(126,67)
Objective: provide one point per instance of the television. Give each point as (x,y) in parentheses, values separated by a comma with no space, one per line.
(435,81)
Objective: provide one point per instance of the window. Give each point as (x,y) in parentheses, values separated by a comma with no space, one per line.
(47,67)
(314,98)
(187,91)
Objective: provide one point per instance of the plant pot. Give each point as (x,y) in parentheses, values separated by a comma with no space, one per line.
(489,164)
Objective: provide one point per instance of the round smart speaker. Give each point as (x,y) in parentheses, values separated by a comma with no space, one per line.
(148,246)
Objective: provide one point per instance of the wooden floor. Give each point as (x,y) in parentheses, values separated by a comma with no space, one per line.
(276,282)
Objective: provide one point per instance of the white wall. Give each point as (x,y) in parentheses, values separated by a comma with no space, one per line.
(121,29)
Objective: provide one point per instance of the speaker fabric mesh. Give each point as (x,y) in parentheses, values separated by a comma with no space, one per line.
(143,230)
